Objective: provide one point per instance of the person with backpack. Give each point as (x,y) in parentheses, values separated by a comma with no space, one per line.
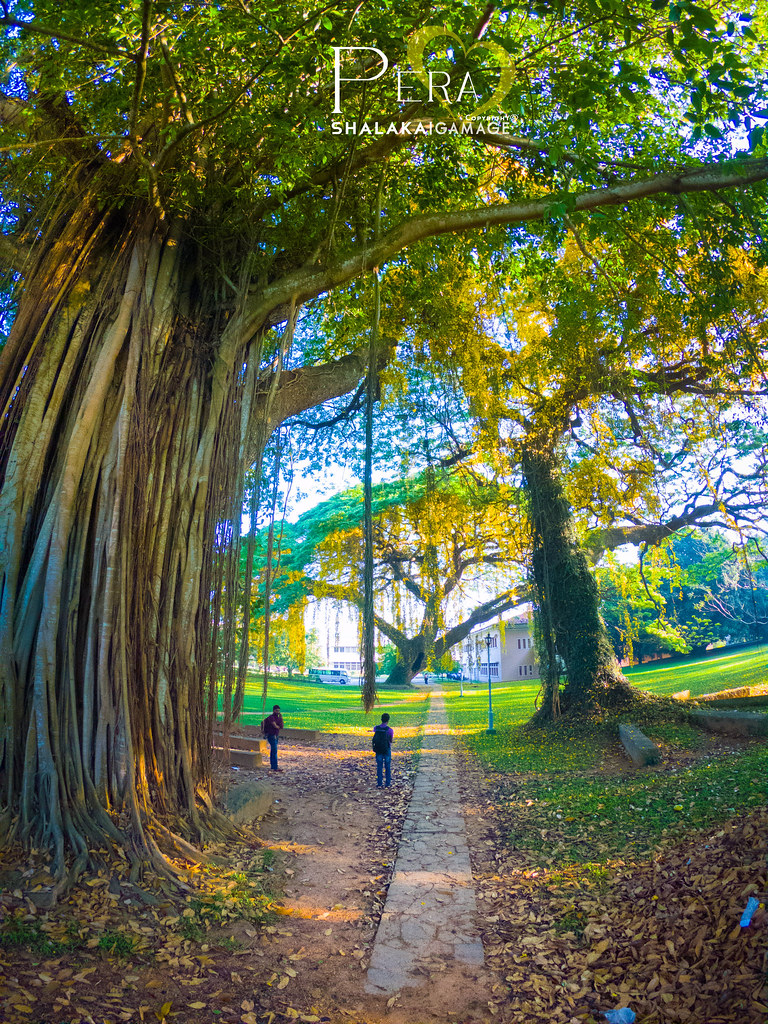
(382,745)
(270,728)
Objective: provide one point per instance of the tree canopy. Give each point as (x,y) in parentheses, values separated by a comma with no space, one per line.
(175,194)
(448,555)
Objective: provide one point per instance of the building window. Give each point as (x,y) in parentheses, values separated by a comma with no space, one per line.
(525,670)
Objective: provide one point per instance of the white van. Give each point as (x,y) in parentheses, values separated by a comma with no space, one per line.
(334,676)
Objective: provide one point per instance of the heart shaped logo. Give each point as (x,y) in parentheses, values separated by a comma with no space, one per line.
(417,43)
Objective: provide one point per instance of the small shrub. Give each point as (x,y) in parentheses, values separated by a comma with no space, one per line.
(117,944)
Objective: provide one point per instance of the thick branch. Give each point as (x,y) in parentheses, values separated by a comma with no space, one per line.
(309,282)
(301,389)
(484,612)
(609,538)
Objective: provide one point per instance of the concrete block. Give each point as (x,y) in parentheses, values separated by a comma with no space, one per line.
(238,742)
(285,734)
(248,800)
(241,758)
(744,703)
(732,723)
(639,748)
(310,735)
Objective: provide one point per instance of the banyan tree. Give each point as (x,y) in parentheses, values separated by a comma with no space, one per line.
(173,196)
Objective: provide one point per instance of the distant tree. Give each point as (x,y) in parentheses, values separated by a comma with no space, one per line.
(695,590)
(387,659)
(313,658)
(438,539)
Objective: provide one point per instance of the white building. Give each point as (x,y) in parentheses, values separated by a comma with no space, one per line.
(337,627)
(508,651)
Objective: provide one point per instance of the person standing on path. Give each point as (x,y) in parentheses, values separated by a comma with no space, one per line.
(382,745)
(271,728)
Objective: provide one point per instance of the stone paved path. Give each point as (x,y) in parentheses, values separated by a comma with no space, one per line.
(430,916)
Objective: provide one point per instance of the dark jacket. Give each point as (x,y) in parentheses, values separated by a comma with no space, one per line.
(271,726)
(383,727)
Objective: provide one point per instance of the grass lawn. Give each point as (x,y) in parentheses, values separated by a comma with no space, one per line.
(333,708)
(587,817)
(512,749)
(746,667)
(590,819)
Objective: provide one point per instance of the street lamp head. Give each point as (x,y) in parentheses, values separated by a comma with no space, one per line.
(488,640)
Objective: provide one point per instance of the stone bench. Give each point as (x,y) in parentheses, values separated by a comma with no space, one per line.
(742,703)
(639,748)
(238,742)
(732,723)
(310,735)
(240,758)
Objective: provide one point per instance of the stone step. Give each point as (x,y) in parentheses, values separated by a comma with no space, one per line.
(245,801)
(300,734)
(639,748)
(241,758)
(309,735)
(759,701)
(238,742)
(732,723)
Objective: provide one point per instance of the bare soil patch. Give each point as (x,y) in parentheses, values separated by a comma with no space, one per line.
(331,844)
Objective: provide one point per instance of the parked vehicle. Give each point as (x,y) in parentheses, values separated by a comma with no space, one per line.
(334,676)
(454,675)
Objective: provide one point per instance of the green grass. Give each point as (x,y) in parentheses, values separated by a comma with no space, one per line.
(588,819)
(333,708)
(20,934)
(512,749)
(118,944)
(746,667)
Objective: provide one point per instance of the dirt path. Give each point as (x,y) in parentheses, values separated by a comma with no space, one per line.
(659,934)
(338,836)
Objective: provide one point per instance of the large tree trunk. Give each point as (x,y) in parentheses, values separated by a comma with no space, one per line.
(572,635)
(411,659)
(126,421)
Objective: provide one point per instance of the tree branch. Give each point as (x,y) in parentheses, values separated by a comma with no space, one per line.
(303,388)
(54,33)
(609,538)
(310,281)
(484,612)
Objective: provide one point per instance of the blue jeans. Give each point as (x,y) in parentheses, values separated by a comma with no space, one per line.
(384,761)
(272,741)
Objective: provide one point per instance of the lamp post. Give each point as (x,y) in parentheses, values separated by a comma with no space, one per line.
(491,730)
